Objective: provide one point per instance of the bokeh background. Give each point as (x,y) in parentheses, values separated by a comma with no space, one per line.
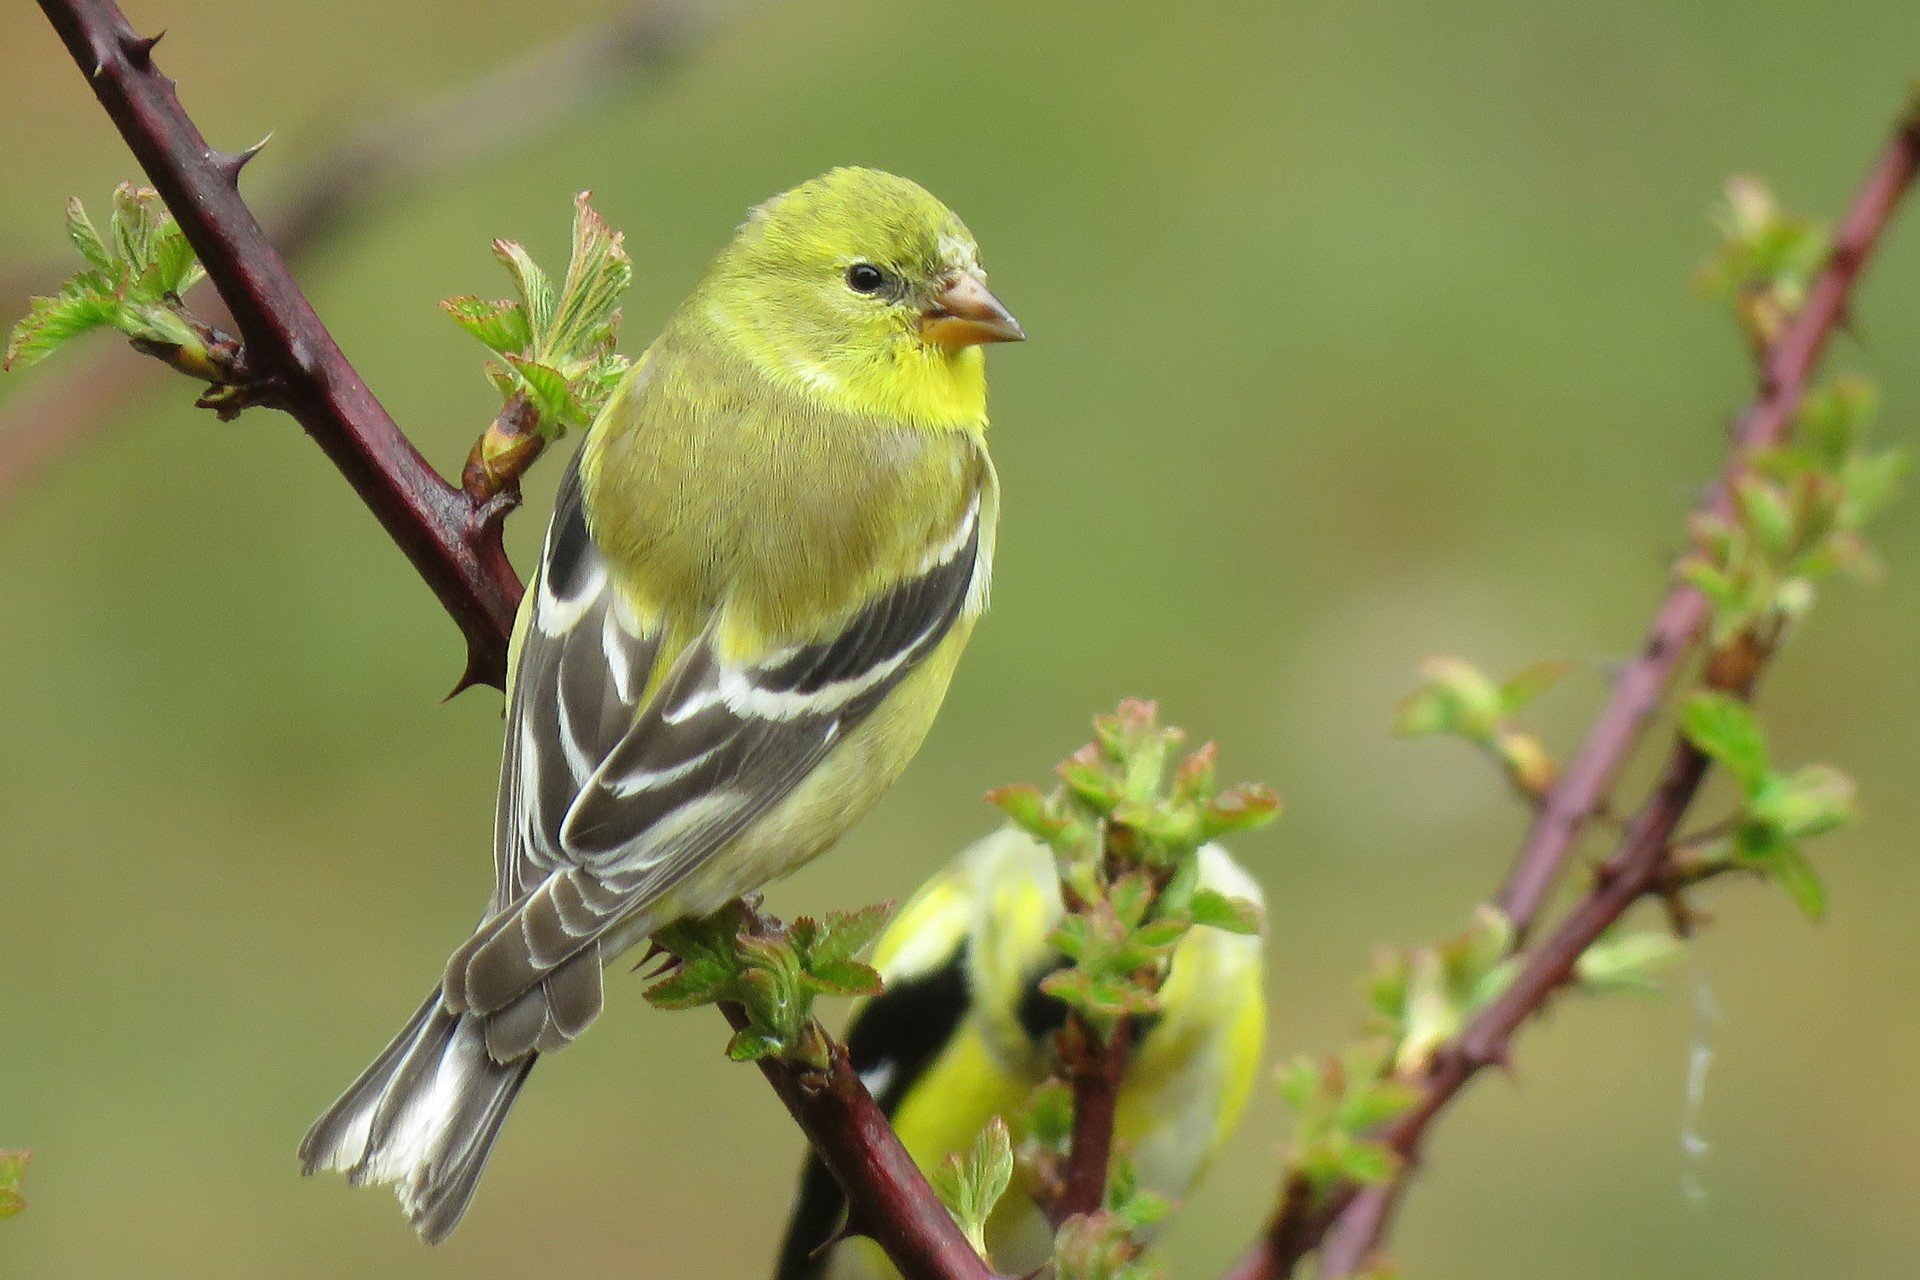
(1360,332)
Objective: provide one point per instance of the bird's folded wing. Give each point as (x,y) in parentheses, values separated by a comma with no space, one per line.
(597,823)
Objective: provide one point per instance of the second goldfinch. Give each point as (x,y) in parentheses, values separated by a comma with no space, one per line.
(963,1033)
(762,566)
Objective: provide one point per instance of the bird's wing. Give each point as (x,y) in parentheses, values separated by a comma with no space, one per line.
(609,821)
(583,667)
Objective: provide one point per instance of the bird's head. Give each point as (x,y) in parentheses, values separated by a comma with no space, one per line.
(864,289)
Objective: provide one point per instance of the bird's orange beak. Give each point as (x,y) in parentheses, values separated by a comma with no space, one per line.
(964,314)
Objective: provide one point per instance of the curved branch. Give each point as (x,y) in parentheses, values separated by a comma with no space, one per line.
(370,165)
(1348,1222)
(888,1196)
(453,545)
(1642,682)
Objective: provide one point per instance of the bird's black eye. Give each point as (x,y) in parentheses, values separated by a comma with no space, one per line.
(864,277)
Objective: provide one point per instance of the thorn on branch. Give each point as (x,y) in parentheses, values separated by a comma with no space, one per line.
(139,49)
(230,163)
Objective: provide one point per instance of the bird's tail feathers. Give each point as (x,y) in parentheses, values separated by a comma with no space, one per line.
(423,1117)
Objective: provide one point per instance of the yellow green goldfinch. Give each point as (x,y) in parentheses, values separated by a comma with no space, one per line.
(963,1033)
(762,566)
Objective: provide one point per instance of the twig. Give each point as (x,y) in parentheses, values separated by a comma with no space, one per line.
(889,1198)
(376,162)
(453,545)
(440,531)
(1358,1218)
(1094,1069)
(1640,685)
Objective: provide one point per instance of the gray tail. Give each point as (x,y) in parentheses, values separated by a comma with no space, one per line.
(423,1117)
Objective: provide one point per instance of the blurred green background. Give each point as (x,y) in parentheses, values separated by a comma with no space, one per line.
(1360,332)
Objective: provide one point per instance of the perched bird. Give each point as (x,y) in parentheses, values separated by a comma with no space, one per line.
(963,1033)
(763,564)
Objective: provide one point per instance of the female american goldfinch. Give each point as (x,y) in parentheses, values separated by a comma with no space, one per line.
(762,566)
(963,1033)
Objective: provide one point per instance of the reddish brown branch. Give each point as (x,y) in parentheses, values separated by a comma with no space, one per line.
(1641,683)
(453,545)
(403,151)
(1094,1070)
(1359,1218)
(890,1198)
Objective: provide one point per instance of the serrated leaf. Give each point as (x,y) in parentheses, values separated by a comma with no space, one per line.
(847,933)
(1216,910)
(500,324)
(536,290)
(51,323)
(1247,807)
(85,237)
(843,978)
(173,269)
(692,984)
(1725,729)
(598,272)
(750,1045)
(971,1185)
(136,213)
(547,388)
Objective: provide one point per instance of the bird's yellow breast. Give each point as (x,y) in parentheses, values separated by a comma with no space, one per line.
(761,504)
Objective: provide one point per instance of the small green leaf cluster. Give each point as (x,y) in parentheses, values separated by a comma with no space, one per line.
(13,1171)
(1765,262)
(1126,837)
(1457,699)
(1338,1104)
(1423,997)
(772,971)
(135,275)
(1779,810)
(971,1185)
(1799,516)
(556,345)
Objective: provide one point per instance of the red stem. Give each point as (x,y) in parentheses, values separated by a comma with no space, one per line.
(890,1197)
(1359,1218)
(1096,1068)
(453,545)
(1641,684)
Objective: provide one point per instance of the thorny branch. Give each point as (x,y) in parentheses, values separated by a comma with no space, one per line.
(375,162)
(1347,1223)
(452,543)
